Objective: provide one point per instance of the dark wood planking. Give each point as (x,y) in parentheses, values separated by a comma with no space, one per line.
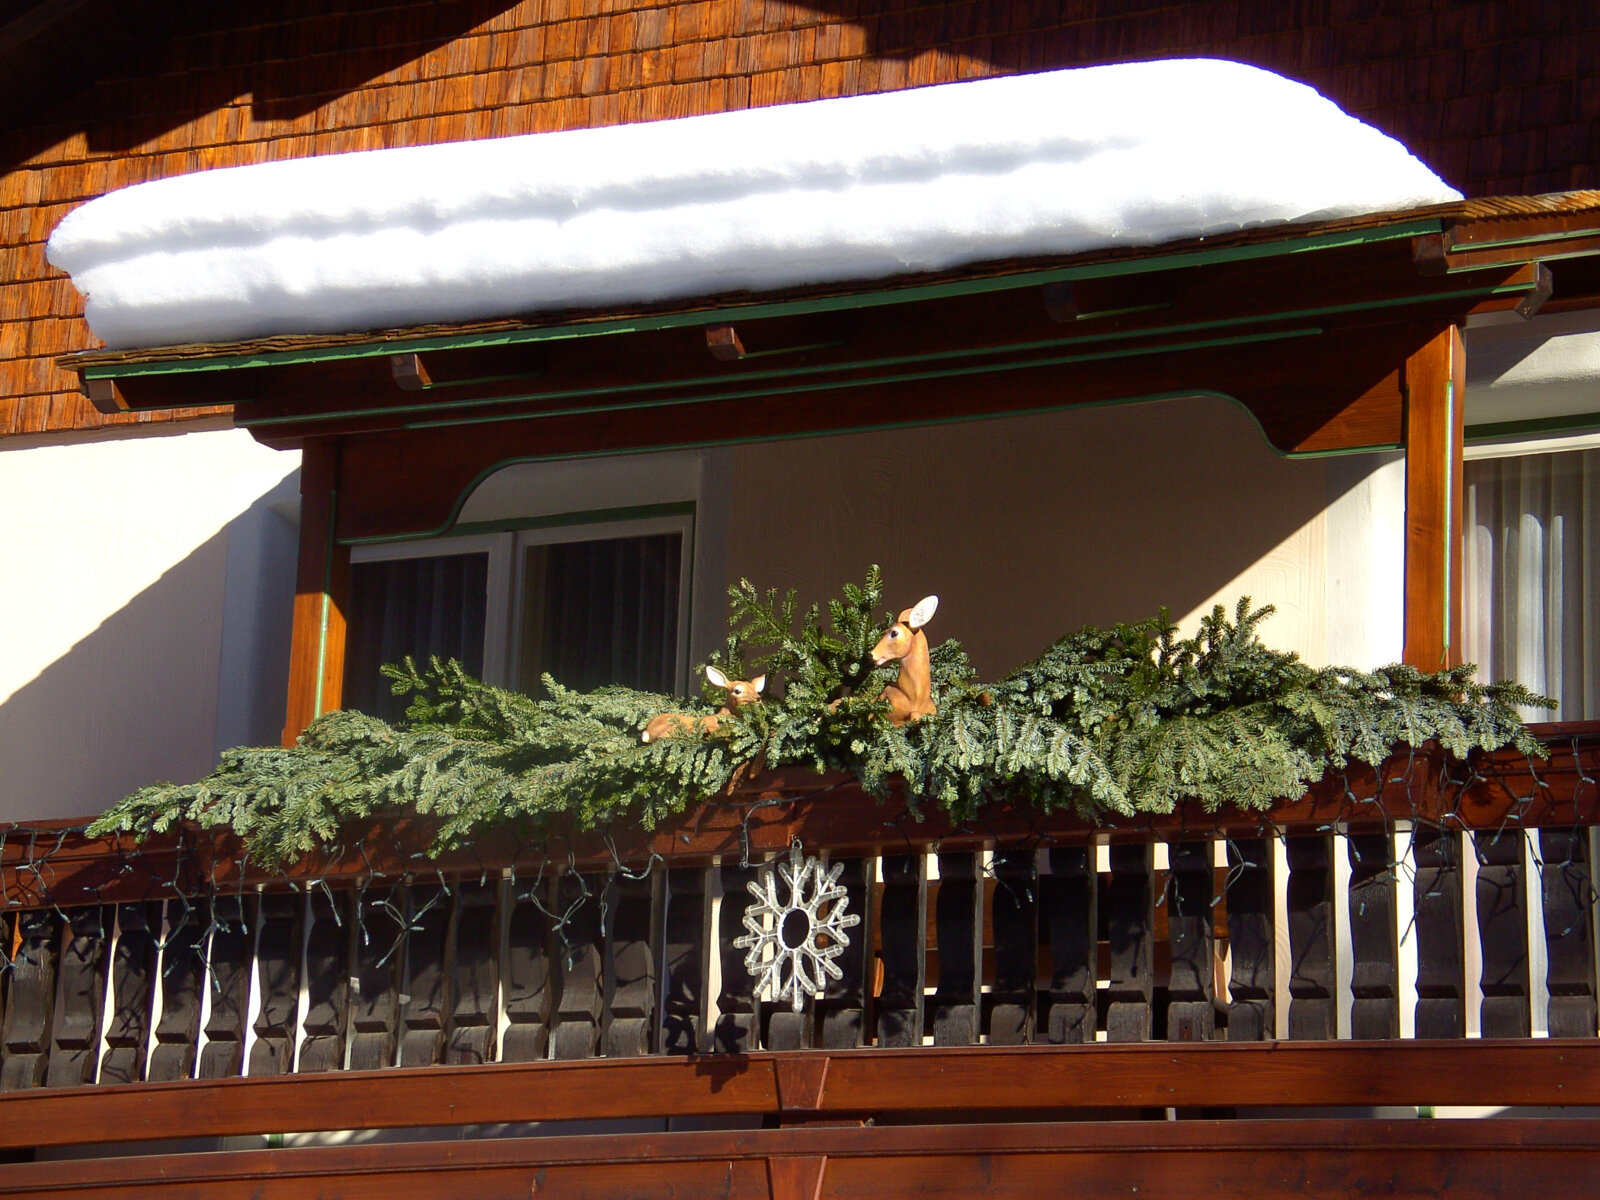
(1435,383)
(229,960)
(133,978)
(327,971)
(1068,898)
(631,980)
(425,1010)
(580,942)
(528,983)
(1015,919)
(737,1029)
(30,999)
(925,1081)
(1374,938)
(375,977)
(80,998)
(475,973)
(1441,966)
(1567,888)
(958,922)
(183,974)
(277,960)
(1130,935)
(1325,1157)
(1503,934)
(1252,943)
(1191,1000)
(842,1012)
(686,950)
(322,585)
(903,936)
(1313,995)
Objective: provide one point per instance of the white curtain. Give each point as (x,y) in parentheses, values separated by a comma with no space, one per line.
(1533,575)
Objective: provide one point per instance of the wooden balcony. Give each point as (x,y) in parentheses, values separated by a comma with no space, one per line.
(1029,1004)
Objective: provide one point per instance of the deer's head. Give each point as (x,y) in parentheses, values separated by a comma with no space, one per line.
(896,643)
(740,691)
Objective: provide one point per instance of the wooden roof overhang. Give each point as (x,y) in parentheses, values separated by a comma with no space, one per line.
(1335,336)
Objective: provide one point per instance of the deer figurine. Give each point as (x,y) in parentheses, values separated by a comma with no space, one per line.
(910,696)
(740,693)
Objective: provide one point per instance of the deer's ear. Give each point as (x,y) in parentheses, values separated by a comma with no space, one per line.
(716,677)
(919,616)
(759,683)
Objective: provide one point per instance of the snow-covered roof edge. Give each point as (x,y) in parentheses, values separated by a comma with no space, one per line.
(858,188)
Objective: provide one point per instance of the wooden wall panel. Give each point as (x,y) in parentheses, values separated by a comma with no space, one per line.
(1494,96)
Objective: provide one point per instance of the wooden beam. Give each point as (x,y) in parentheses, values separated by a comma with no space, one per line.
(1471,1160)
(1435,391)
(322,584)
(925,1083)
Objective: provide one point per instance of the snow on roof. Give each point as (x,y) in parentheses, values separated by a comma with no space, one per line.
(862,187)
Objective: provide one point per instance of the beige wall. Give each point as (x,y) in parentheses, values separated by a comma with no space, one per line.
(1029,527)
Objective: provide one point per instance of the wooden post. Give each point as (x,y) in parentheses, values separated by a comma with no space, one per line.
(1435,386)
(322,586)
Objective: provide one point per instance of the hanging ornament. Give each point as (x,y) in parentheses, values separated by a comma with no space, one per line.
(782,948)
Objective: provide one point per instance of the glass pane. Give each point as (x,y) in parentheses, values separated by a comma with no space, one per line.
(602,612)
(415,606)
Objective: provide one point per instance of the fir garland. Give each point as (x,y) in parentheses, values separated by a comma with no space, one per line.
(1124,720)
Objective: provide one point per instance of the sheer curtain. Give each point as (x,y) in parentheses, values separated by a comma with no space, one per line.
(1533,575)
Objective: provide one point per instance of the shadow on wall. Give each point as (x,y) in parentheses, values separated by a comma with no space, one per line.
(196,662)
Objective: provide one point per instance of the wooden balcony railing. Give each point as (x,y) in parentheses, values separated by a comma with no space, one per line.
(1325,954)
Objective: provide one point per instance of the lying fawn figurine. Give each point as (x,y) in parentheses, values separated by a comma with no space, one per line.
(740,693)
(910,696)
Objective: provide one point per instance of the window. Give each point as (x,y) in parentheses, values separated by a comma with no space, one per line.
(1532,572)
(588,602)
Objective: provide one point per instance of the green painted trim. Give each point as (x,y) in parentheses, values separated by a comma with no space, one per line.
(750,312)
(1449,507)
(1536,239)
(244,420)
(902,377)
(1505,430)
(326,614)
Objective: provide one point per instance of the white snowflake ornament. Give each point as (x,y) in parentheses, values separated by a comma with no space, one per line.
(795,966)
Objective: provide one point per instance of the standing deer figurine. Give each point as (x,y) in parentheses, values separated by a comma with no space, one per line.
(740,693)
(910,697)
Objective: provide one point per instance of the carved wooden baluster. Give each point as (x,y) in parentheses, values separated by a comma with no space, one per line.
(422,1017)
(278,948)
(1251,943)
(686,949)
(529,991)
(841,1013)
(1069,896)
(1503,934)
(1015,918)
(630,966)
(327,984)
(1374,942)
(1566,883)
(80,999)
(1191,1008)
(1130,931)
(475,974)
(903,919)
(1441,969)
(227,983)
(380,953)
(737,1030)
(181,977)
(581,965)
(133,977)
(1313,983)
(958,924)
(31,1000)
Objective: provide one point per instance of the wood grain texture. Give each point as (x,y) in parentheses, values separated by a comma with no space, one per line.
(1435,383)
(322,585)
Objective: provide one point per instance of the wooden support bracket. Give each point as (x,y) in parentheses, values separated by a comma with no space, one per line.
(724,344)
(409,372)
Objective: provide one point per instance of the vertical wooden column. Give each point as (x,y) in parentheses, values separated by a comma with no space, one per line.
(958,921)
(1191,1008)
(1502,896)
(375,978)
(475,974)
(582,973)
(1016,947)
(903,926)
(1130,934)
(322,588)
(1069,899)
(1252,944)
(737,1030)
(183,974)
(1566,885)
(133,976)
(423,1012)
(630,965)
(278,951)
(1435,385)
(529,986)
(1374,940)
(1441,963)
(80,998)
(842,1012)
(327,979)
(1312,986)
(30,999)
(228,982)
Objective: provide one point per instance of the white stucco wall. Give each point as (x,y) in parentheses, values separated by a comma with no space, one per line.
(145,581)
